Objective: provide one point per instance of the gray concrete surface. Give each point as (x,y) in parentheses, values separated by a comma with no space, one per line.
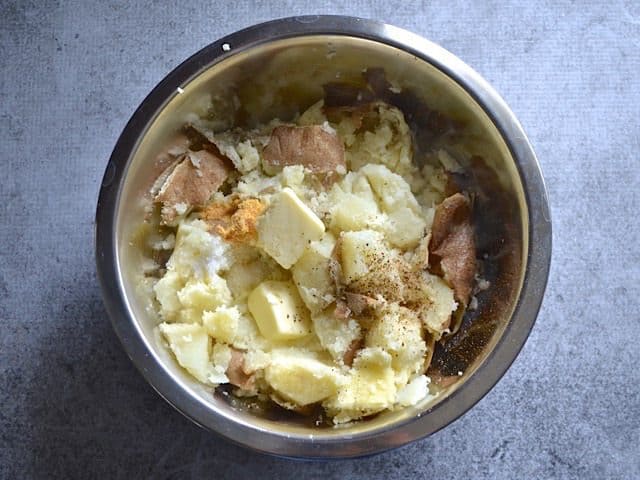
(71,403)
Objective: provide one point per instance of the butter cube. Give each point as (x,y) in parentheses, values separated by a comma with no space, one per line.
(302,380)
(191,346)
(279,311)
(287,227)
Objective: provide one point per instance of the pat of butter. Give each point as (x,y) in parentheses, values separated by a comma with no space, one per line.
(287,227)
(279,311)
(302,380)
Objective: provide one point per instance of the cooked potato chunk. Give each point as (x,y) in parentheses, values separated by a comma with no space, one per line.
(390,188)
(359,251)
(353,212)
(438,316)
(191,346)
(398,331)
(336,335)
(369,387)
(311,275)
(222,323)
(404,228)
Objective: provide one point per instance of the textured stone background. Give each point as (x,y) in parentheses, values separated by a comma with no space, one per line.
(71,403)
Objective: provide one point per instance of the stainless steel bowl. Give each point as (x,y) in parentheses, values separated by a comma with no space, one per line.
(275,69)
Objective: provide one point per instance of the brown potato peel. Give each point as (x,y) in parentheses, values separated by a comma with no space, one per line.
(191,182)
(236,372)
(311,146)
(452,247)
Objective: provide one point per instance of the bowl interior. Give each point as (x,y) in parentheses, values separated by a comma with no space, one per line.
(279,79)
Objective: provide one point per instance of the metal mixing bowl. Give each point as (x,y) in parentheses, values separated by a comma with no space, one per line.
(276,69)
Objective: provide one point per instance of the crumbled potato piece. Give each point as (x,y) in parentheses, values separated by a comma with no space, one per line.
(404,228)
(188,301)
(336,335)
(392,191)
(242,153)
(242,278)
(359,252)
(204,295)
(398,331)
(311,274)
(438,315)
(222,323)
(197,253)
(369,387)
(369,267)
(376,198)
(166,291)
(221,356)
(352,212)
(192,284)
(247,334)
(387,143)
(192,346)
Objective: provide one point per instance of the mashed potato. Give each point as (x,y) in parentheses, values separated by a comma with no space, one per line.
(305,281)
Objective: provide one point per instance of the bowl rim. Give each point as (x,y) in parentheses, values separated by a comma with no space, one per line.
(474,388)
